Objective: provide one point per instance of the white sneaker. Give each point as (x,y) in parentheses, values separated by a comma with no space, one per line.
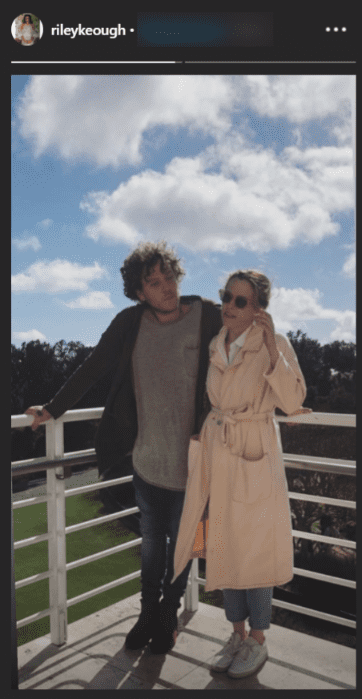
(224,657)
(250,657)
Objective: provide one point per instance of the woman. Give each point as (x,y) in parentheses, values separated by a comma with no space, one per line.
(236,468)
(27,31)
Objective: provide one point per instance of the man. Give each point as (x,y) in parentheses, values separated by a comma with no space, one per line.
(158,350)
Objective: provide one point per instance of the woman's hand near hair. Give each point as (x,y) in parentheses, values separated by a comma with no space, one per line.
(40,415)
(265,321)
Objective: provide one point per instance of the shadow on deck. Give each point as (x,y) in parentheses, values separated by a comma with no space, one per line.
(94,656)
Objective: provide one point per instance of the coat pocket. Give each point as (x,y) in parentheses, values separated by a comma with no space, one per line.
(252,480)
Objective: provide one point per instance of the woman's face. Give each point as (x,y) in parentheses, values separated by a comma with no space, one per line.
(237,320)
(27,20)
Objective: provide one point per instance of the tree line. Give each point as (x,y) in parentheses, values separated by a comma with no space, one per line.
(39,370)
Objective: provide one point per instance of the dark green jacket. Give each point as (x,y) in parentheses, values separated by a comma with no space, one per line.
(118,428)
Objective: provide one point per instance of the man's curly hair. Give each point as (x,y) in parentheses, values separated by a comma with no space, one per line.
(140,262)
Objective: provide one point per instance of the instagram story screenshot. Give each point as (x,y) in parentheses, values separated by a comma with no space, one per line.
(183,348)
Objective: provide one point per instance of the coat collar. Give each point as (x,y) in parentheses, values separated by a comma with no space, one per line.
(253,343)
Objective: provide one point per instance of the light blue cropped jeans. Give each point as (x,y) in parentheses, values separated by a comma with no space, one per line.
(254,604)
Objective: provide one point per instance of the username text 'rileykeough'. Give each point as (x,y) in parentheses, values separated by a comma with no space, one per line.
(72,32)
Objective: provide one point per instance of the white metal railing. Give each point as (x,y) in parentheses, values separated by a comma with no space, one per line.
(57,530)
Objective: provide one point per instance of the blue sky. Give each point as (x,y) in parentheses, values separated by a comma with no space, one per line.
(235,172)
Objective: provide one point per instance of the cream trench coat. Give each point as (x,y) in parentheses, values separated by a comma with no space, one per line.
(237,468)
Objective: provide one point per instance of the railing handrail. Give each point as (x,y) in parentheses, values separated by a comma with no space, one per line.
(41,463)
(56,461)
(313,418)
(88,455)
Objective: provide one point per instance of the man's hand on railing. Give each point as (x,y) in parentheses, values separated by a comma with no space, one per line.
(300,411)
(40,415)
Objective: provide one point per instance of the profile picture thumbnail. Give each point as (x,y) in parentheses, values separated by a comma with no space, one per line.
(27,29)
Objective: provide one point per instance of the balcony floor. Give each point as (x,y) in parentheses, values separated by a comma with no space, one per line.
(94,656)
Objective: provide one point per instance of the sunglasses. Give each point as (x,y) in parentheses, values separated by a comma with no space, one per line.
(240,301)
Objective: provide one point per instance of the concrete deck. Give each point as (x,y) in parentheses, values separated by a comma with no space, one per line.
(94,656)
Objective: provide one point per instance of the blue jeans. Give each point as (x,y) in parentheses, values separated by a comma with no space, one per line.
(161,511)
(255,604)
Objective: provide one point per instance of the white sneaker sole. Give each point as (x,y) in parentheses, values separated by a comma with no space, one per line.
(246,673)
(220,669)
(216,668)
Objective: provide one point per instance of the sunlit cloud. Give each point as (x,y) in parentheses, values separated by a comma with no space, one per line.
(95,300)
(45,223)
(56,276)
(292,307)
(349,267)
(105,118)
(299,97)
(29,336)
(26,243)
(229,197)
(346,328)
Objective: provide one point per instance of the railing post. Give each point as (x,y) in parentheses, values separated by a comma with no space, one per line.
(13,631)
(56,530)
(192,588)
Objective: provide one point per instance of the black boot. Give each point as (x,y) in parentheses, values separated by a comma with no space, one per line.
(144,628)
(164,637)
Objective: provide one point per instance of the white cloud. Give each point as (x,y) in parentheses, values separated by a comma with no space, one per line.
(349,267)
(29,336)
(299,304)
(104,118)
(299,97)
(25,243)
(256,201)
(32,241)
(292,307)
(56,276)
(346,328)
(45,223)
(95,300)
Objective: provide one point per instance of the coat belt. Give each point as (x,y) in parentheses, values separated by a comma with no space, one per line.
(232,434)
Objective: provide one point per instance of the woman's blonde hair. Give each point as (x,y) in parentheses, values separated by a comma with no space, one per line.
(260,283)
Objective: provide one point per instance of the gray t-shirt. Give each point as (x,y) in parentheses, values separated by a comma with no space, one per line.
(165,365)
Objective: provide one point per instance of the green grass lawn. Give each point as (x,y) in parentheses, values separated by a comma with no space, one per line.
(31,560)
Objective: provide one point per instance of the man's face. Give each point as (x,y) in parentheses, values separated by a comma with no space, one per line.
(160,290)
